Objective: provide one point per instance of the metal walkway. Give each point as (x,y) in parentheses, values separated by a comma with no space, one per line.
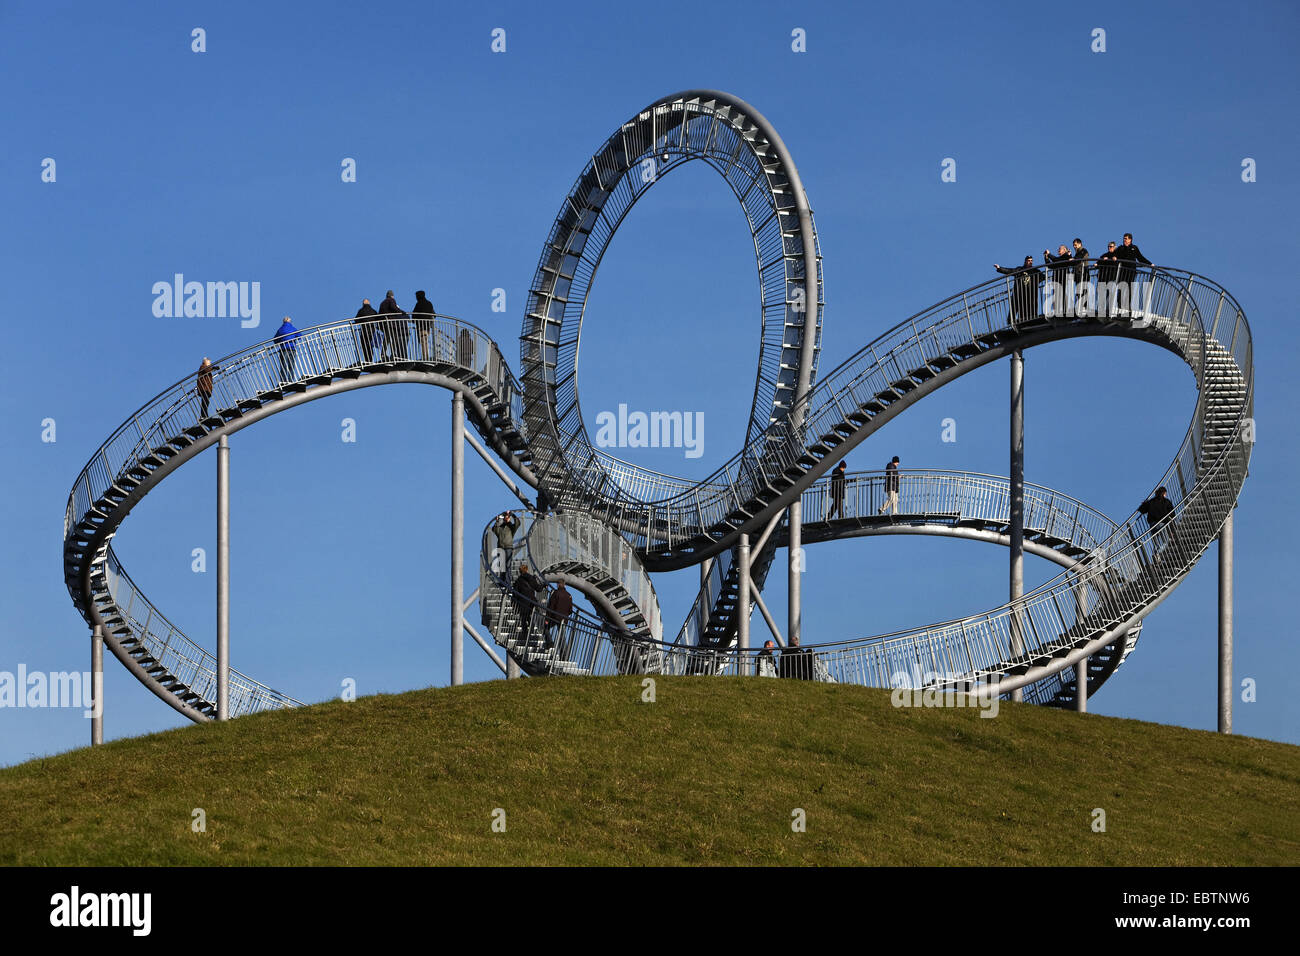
(614,524)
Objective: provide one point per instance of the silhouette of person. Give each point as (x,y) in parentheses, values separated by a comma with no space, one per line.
(891,487)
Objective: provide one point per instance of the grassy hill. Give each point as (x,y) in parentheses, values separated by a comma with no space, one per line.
(710,773)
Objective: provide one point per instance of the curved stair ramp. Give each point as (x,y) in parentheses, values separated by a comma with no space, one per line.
(974,506)
(247,387)
(732,137)
(596,561)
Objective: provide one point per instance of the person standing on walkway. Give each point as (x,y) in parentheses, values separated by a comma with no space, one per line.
(365,328)
(395,329)
(1081,294)
(286,336)
(1060,274)
(795,661)
(1107,271)
(423,315)
(1024,289)
(837,491)
(891,487)
(203,385)
(1129,256)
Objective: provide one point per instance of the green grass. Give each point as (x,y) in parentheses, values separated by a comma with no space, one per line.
(709,774)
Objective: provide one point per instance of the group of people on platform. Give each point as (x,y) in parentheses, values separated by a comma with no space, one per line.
(381,334)
(1116,270)
(386,331)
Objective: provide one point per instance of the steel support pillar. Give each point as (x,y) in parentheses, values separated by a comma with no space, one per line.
(1017,504)
(706,568)
(223,578)
(97,685)
(1225,626)
(1081,686)
(794,581)
(457,538)
(742,606)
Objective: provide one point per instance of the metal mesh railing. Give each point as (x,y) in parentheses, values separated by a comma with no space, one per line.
(185,660)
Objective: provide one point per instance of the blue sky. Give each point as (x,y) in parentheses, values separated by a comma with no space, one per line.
(225,165)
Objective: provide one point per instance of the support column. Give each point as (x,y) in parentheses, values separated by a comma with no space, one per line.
(794,581)
(457,538)
(223,578)
(1017,503)
(1081,686)
(97,684)
(1225,626)
(742,606)
(706,568)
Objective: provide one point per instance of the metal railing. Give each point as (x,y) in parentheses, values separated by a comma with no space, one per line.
(185,660)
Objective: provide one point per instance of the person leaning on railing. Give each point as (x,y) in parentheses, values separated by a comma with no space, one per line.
(1024,291)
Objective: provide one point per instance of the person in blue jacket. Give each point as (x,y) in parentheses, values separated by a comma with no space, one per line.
(286,336)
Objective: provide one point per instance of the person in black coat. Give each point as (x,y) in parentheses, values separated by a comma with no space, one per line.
(1107,271)
(1129,256)
(529,592)
(837,491)
(1024,289)
(891,487)
(796,662)
(1080,258)
(423,315)
(395,328)
(1157,508)
(365,328)
(1060,274)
